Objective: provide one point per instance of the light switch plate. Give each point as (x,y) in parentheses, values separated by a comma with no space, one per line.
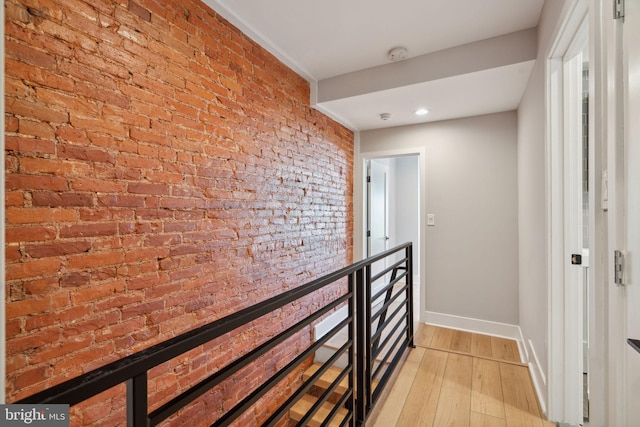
(431,219)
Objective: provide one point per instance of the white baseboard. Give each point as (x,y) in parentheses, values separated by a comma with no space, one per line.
(539,378)
(486,327)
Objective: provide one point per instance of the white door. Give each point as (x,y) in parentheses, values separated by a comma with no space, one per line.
(378,207)
(631,67)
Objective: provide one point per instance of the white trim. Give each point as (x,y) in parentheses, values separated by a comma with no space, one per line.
(478,326)
(524,353)
(535,370)
(536,361)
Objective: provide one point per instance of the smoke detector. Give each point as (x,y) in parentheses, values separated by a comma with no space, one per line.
(397,54)
(385,116)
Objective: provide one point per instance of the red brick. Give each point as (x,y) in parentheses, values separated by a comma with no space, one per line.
(36,128)
(97,62)
(32,376)
(49,198)
(41,76)
(68,102)
(98,125)
(29,234)
(40,215)
(97,185)
(28,54)
(67,34)
(57,249)
(99,93)
(36,111)
(95,260)
(96,292)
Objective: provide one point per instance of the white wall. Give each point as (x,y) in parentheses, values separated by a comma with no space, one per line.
(532,204)
(471,253)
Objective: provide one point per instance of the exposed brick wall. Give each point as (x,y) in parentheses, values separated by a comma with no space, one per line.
(162,171)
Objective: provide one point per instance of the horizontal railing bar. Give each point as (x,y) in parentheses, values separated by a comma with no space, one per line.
(169,408)
(391,350)
(389,269)
(389,285)
(252,398)
(387,304)
(376,335)
(381,255)
(387,375)
(386,340)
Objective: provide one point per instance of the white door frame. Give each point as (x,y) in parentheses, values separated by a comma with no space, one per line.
(565,303)
(608,334)
(360,212)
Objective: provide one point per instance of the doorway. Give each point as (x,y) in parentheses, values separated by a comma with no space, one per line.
(392,200)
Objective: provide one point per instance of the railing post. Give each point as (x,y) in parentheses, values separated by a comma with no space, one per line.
(360,349)
(409,253)
(137,402)
(352,350)
(366,356)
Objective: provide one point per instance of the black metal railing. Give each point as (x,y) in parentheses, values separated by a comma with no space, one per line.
(371,356)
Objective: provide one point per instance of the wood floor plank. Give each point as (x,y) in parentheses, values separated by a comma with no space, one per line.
(442,339)
(392,407)
(520,402)
(424,335)
(460,341)
(502,348)
(483,420)
(486,388)
(420,407)
(454,405)
(481,345)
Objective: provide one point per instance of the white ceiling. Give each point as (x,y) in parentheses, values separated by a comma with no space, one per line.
(324,40)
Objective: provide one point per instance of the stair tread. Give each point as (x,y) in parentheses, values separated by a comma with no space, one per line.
(302,406)
(328,377)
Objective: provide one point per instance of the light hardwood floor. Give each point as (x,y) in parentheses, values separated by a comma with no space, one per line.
(454,378)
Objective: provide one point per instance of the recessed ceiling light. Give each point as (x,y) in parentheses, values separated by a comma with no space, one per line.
(421,112)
